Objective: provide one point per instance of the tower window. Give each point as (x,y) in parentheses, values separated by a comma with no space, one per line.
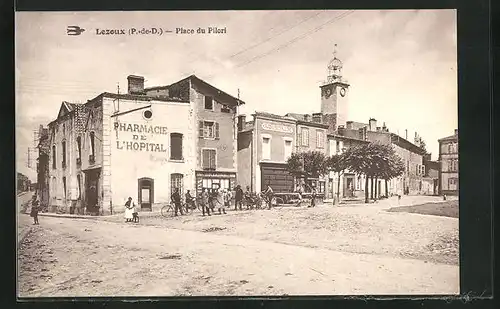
(209,103)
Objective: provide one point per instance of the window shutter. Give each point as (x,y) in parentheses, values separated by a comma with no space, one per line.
(212,159)
(205,158)
(200,129)
(216,130)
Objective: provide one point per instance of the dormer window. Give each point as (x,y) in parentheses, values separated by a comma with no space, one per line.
(209,103)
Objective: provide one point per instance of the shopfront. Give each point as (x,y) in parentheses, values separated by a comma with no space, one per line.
(215,180)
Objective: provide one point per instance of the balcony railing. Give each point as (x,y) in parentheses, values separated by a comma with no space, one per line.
(91,159)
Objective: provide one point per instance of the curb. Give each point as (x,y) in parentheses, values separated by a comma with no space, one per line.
(67,216)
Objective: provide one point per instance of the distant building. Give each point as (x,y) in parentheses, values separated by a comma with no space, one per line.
(23,183)
(42,166)
(448,160)
(431,175)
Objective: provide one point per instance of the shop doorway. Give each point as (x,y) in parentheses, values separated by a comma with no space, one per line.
(146,193)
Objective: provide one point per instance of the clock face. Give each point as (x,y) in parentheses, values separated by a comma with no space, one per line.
(342,92)
(328,93)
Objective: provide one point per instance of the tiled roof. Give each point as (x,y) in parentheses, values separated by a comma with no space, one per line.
(235,101)
(274,116)
(449,138)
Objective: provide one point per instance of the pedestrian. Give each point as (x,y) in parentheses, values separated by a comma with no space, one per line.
(34,210)
(269,193)
(228,196)
(248,198)
(189,201)
(219,200)
(129,210)
(238,197)
(176,199)
(204,202)
(313,196)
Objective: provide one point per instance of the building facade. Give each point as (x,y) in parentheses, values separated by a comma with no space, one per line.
(264,146)
(215,116)
(448,161)
(117,146)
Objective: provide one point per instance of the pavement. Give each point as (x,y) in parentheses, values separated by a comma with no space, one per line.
(326,250)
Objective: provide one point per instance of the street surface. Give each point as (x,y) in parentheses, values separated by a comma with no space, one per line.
(339,250)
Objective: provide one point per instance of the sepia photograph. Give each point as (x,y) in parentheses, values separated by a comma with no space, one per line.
(237,153)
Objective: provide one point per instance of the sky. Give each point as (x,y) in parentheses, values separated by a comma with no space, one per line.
(401,64)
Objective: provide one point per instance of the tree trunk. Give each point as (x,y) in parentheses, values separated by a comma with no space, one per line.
(338,189)
(377,189)
(366,189)
(386,189)
(371,188)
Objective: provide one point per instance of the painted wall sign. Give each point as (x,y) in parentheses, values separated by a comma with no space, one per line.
(140,142)
(277,127)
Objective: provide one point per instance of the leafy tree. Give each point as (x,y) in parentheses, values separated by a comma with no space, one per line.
(311,164)
(375,161)
(338,164)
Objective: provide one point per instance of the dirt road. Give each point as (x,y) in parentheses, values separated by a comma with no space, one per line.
(65,257)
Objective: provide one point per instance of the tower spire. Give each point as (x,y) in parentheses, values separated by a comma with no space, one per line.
(334,68)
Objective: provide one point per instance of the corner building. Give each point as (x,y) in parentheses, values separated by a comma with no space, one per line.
(120,145)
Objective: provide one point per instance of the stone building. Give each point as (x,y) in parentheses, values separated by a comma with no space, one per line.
(120,145)
(264,146)
(448,160)
(215,114)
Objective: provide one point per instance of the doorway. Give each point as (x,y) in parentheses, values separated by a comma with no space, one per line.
(146,193)
(92,190)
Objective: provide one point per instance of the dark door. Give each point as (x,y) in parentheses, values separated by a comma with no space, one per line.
(92,191)
(146,193)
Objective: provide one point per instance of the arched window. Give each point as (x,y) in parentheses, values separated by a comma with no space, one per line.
(177,182)
(54,164)
(176,146)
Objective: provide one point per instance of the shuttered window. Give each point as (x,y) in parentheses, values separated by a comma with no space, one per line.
(176,146)
(305,136)
(177,182)
(208,129)
(208,159)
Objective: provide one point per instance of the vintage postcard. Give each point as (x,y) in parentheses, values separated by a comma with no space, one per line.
(237,153)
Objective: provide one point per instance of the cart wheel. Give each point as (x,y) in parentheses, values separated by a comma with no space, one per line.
(278,202)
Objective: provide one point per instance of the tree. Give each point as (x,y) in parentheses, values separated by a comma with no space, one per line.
(311,164)
(375,161)
(337,164)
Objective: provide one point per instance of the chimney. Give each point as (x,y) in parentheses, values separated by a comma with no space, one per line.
(316,117)
(135,84)
(406,134)
(348,125)
(372,123)
(241,122)
(306,117)
(379,129)
(456,131)
(341,130)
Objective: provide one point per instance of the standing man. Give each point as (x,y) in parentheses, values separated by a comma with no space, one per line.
(189,202)
(219,199)
(238,197)
(34,210)
(313,196)
(269,195)
(227,197)
(176,199)
(204,202)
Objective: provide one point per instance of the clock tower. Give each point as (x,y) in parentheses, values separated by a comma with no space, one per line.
(334,92)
